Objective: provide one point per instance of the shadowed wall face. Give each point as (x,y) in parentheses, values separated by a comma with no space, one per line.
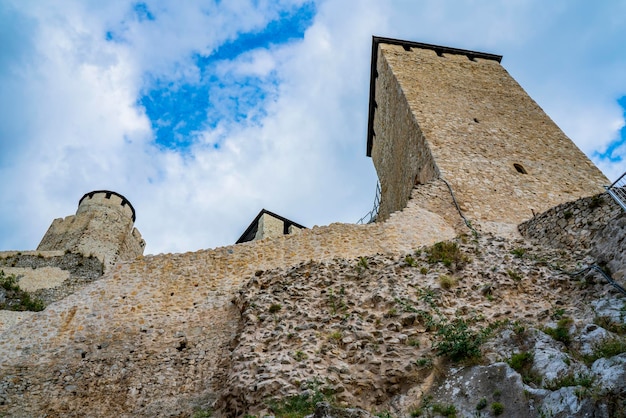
(469,122)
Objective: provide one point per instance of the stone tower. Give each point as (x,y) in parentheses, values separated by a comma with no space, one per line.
(439,112)
(102,226)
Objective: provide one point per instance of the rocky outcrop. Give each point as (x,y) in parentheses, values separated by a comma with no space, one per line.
(360,327)
(609,248)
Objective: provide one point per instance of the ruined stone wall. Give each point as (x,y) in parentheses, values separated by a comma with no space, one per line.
(596,224)
(572,224)
(477,123)
(172,318)
(102,226)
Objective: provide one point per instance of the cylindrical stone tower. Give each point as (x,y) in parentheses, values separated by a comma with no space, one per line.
(102,227)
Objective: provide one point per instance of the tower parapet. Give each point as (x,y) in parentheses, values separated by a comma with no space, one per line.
(106,198)
(102,226)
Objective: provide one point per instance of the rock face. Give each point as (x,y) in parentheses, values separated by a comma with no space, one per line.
(609,248)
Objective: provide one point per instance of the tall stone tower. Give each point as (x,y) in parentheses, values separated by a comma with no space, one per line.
(439,112)
(102,226)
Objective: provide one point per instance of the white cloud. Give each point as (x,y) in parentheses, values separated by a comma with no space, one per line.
(74,125)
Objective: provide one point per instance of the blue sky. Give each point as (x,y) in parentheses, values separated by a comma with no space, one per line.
(202,113)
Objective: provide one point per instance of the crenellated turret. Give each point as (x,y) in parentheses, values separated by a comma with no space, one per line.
(102,226)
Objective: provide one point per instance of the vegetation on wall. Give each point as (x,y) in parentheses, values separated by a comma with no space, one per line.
(16,299)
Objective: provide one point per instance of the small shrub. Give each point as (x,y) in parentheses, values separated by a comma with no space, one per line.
(519,329)
(482,404)
(362,263)
(518,252)
(447,282)
(410,261)
(413,342)
(596,201)
(416,412)
(275,307)
(607,348)
(445,410)
(424,270)
(608,324)
(522,363)
(335,336)
(570,379)
(202,413)
(448,253)
(521,360)
(561,332)
(497,408)
(515,276)
(336,301)
(299,406)
(558,313)
(391,313)
(424,362)
(16,298)
(299,356)
(457,340)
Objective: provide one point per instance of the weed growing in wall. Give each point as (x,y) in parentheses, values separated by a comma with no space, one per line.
(298,406)
(609,324)
(17,299)
(410,261)
(518,252)
(579,379)
(561,332)
(444,410)
(447,282)
(606,348)
(522,363)
(497,408)
(454,338)
(448,253)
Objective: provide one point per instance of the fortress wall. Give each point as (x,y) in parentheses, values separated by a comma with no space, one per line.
(477,123)
(125,331)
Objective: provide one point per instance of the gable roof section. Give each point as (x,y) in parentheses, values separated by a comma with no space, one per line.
(250,232)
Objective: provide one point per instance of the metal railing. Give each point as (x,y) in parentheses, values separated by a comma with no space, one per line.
(372,214)
(617,191)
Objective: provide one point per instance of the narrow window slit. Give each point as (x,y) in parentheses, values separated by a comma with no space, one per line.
(520,168)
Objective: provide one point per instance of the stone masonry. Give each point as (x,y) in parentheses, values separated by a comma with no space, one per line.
(102,226)
(225,329)
(465,119)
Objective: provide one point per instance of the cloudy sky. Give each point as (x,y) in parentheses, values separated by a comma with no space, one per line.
(203,112)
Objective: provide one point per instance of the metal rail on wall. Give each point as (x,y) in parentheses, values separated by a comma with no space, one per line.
(372,214)
(617,190)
